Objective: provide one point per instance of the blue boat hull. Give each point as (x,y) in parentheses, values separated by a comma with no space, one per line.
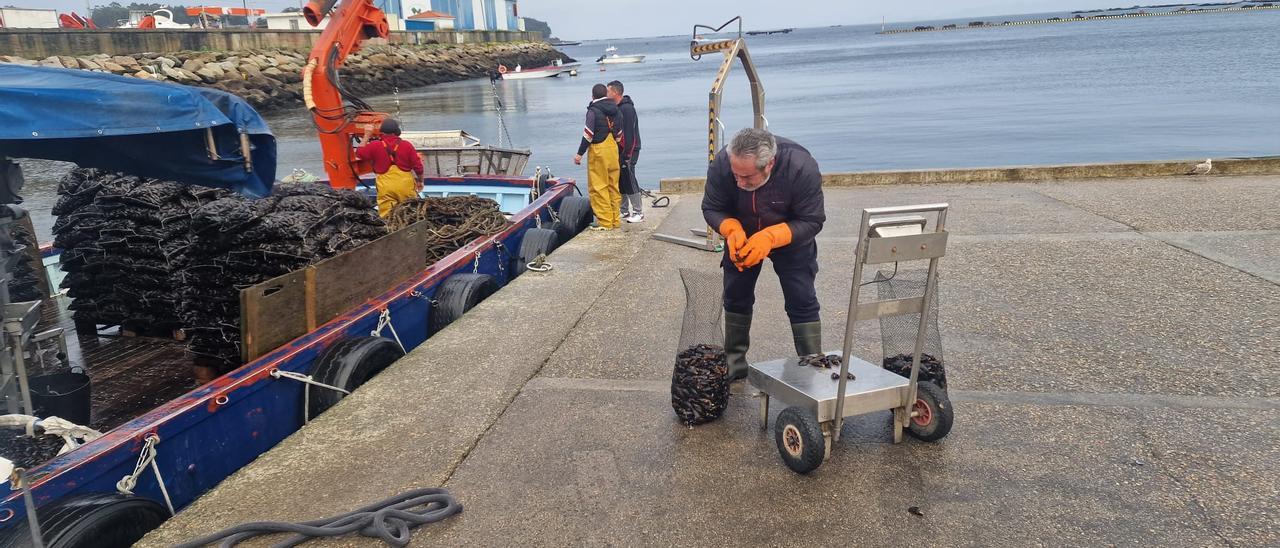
(209,433)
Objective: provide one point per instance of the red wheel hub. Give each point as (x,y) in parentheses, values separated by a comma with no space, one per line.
(791,440)
(923,413)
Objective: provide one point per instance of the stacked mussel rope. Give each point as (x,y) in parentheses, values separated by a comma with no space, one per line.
(25,285)
(240,242)
(452,222)
(124,239)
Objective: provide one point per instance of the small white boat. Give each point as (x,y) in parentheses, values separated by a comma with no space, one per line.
(524,74)
(548,71)
(611,57)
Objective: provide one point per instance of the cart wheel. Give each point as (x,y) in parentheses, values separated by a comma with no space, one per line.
(933,413)
(800,441)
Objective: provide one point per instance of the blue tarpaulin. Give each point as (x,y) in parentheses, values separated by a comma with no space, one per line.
(136,126)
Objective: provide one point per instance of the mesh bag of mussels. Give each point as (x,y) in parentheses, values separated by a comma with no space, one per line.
(699,389)
(238,242)
(124,239)
(898,333)
(25,285)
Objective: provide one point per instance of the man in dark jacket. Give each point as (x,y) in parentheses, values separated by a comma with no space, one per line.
(764,195)
(602,136)
(629,149)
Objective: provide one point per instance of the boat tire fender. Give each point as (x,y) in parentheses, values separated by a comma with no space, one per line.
(101,520)
(457,295)
(536,241)
(348,364)
(575,213)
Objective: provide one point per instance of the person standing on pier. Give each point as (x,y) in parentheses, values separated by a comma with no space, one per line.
(764,195)
(397,165)
(629,149)
(601,139)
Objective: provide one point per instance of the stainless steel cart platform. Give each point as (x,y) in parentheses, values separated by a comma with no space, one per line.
(816,403)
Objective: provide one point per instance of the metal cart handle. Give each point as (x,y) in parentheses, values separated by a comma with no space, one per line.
(895,210)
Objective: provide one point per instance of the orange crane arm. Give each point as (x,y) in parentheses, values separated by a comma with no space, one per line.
(337,122)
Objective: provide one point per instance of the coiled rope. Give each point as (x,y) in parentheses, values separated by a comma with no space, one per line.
(390,521)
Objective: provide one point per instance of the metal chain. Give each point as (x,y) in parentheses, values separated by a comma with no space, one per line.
(498,247)
(146,458)
(502,124)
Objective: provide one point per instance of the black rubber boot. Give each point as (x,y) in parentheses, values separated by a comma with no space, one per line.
(737,337)
(808,338)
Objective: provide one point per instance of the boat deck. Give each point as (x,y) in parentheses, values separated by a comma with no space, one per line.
(130,375)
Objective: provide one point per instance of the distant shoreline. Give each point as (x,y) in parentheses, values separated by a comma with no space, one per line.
(1078,18)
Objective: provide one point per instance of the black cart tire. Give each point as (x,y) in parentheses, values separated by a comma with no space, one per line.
(536,241)
(934,413)
(106,520)
(575,213)
(347,365)
(800,441)
(457,295)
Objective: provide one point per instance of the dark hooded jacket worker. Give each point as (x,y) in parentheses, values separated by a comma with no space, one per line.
(601,139)
(396,163)
(764,195)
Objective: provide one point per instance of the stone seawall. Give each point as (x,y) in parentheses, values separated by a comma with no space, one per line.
(272,79)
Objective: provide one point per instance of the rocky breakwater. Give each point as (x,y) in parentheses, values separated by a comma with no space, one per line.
(272,79)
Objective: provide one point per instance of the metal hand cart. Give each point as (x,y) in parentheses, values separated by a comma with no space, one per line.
(817,403)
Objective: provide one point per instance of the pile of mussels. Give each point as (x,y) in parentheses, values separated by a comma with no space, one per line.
(240,242)
(699,384)
(930,368)
(124,239)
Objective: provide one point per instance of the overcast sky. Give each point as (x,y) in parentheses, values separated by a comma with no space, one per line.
(588,19)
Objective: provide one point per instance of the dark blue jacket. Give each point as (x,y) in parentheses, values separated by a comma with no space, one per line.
(629,147)
(603,120)
(792,195)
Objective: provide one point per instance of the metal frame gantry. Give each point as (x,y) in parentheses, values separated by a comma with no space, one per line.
(707,239)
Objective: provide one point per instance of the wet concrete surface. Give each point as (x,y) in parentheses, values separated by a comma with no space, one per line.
(1111,388)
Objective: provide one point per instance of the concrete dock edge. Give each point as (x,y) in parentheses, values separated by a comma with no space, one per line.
(1269,165)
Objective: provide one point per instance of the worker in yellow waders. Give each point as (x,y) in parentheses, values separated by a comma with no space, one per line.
(396,163)
(601,138)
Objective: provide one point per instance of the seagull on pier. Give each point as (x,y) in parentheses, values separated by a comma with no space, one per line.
(1202,169)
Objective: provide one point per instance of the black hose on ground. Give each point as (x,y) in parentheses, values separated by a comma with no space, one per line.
(660,201)
(389,520)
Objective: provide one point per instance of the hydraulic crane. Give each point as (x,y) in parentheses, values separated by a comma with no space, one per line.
(340,116)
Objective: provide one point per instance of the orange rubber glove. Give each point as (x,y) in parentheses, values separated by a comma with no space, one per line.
(761,243)
(734,236)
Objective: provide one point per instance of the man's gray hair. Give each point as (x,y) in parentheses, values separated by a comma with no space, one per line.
(754,142)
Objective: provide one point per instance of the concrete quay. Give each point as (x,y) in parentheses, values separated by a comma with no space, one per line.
(1112,351)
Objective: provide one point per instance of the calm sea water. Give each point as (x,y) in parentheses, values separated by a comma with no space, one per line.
(1136,89)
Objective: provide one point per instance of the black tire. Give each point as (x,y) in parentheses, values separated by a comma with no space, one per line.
(800,441)
(934,423)
(106,520)
(536,241)
(575,213)
(347,365)
(457,295)
(562,231)
(540,184)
